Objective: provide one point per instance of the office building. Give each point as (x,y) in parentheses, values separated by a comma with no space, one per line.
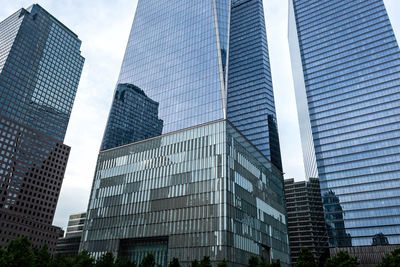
(201,191)
(68,245)
(187,87)
(206,184)
(40,67)
(306,222)
(346,70)
(251,107)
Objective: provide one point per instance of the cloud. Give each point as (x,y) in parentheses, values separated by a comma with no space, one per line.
(103,26)
(104,30)
(275,12)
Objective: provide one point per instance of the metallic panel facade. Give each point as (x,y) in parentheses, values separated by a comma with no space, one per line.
(195,186)
(68,245)
(200,191)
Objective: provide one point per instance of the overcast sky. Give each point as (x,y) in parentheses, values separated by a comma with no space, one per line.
(103,26)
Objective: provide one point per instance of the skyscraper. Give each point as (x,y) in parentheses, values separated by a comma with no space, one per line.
(346,70)
(306,221)
(40,66)
(69,244)
(206,184)
(251,106)
(191,87)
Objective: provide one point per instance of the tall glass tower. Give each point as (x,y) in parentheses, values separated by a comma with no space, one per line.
(200,68)
(40,67)
(190,163)
(346,69)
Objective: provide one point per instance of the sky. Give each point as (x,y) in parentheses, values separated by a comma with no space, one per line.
(104,26)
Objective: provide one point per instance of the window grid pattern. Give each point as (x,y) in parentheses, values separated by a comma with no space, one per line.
(195,60)
(172,55)
(39,85)
(351,65)
(69,244)
(133,117)
(181,188)
(306,221)
(40,68)
(251,106)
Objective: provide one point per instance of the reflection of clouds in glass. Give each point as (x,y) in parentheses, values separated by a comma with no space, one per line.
(48,119)
(351,78)
(172,55)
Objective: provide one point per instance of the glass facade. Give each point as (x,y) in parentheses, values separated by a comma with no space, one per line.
(251,106)
(200,62)
(39,85)
(201,191)
(172,56)
(346,66)
(68,245)
(40,66)
(174,177)
(133,117)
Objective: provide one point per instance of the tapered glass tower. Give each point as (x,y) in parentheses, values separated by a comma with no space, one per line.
(346,67)
(199,62)
(190,163)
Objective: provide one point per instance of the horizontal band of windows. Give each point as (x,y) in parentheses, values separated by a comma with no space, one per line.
(387,87)
(352,152)
(347,66)
(359,112)
(336,27)
(370,70)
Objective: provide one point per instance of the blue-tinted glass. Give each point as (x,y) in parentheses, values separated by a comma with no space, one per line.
(133,117)
(199,62)
(350,65)
(184,194)
(251,105)
(172,56)
(205,188)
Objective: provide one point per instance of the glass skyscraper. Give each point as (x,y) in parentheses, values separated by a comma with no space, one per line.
(346,69)
(190,163)
(40,67)
(200,62)
(251,106)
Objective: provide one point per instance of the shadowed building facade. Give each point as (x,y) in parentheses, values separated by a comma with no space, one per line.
(40,67)
(306,222)
(206,184)
(346,70)
(68,245)
(251,106)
